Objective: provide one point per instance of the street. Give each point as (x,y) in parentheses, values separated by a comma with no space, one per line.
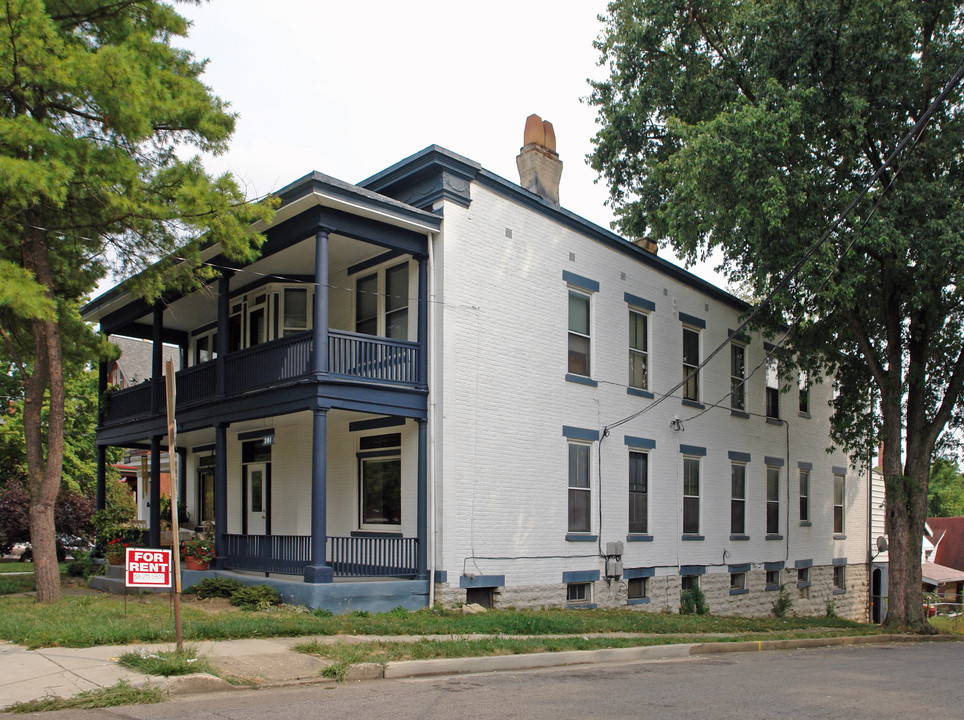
(887,681)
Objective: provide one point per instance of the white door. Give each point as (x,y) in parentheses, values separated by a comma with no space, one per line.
(257,496)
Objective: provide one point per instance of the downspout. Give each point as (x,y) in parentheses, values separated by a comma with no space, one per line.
(431,424)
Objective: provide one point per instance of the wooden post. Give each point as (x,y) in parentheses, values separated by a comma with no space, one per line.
(172,459)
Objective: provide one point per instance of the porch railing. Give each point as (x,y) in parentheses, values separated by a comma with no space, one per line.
(372,358)
(132,402)
(197,383)
(348,556)
(268,363)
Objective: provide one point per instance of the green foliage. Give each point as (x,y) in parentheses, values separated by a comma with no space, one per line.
(322,612)
(73,513)
(216,587)
(255,597)
(116,695)
(693,602)
(945,492)
(114,521)
(831,611)
(783,604)
(200,547)
(166,662)
(84,568)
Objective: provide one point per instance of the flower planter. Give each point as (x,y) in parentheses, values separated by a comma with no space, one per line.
(192,563)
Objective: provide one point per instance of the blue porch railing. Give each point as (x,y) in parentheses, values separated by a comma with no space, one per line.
(348,556)
(372,358)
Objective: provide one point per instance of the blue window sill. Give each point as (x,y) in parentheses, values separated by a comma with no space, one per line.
(740,414)
(639,538)
(744,591)
(839,537)
(571,537)
(638,601)
(803,585)
(768,588)
(693,404)
(805,414)
(639,393)
(582,606)
(774,421)
(774,537)
(840,592)
(806,523)
(692,538)
(581,380)
(739,537)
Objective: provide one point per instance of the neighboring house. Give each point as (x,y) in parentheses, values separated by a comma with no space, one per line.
(440,374)
(942,567)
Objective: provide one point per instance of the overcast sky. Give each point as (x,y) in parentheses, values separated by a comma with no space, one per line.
(350,88)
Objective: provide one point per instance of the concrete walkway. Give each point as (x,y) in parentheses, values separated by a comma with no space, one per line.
(65,672)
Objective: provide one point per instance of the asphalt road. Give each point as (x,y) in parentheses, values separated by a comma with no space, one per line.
(888,681)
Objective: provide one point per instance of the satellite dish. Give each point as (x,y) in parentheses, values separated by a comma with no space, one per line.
(881,543)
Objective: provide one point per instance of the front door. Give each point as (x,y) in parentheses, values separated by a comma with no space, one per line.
(257,498)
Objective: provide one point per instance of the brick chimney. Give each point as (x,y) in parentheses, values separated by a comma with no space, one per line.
(539,165)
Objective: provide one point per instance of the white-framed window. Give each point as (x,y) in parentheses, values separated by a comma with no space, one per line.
(691,495)
(804,495)
(773,388)
(379,481)
(737,377)
(738,581)
(578,593)
(737,498)
(579,333)
(638,492)
(840,577)
(691,361)
(772,579)
(580,497)
(295,315)
(636,588)
(803,383)
(839,487)
(396,302)
(638,349)
(204,347)
(381,302)
(236,333)
(773,500)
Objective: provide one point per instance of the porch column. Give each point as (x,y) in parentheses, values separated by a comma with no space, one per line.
(224,316)
(421,516)
(101,501)
(423,320)
(319,318)
(220,493)
(182,475)
(155,495)
(318,571)
(157,359)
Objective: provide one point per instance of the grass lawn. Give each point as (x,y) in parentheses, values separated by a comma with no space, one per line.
(106,620)
(13,580)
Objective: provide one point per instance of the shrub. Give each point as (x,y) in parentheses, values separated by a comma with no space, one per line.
(255,597)
(831,609)
(693,602)
(216,587)
(783,604)
(323,612)
(84,568)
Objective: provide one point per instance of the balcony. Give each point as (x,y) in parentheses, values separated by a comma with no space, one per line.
(351,356)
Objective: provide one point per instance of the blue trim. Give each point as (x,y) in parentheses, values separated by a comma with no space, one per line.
(738,337)
(692,320)
(774,421)
(441,576)
(692,569)
(837,562)
(638,601)
(375,423)
(203,448)
(692,538)
(693,404)
(373,534)
(805,414)
(639,393)
(803,564)
(769,347)
(574,537)
(740,538)
(580,576)
(378,453)
(840,592)
(806,523)
(804,584)
(805,466)
(839,537)
(692,450)
(481,581)
(739,414)
(773,565)
(638,442)
(773,461)
(372,262)
(581,606)
(744,591)
(582,380)
(575,433)
(639,302)
(579,281)
(638,537)
(256,434)
(738,456)
(774,536)
(742,567)
(639,572)
(837,470)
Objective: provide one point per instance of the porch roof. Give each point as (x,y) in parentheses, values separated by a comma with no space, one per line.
(935,574)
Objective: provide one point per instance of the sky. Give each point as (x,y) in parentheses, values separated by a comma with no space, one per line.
(348,89)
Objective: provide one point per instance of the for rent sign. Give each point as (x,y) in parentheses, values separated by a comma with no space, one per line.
(148,568)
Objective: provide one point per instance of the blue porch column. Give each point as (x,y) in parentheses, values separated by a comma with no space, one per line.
(423,320)
(421,517)
(155,494)
(224,316)
(220,492)
(318,571)
(319,318)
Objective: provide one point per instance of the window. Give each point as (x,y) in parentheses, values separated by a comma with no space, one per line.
(691,361)
(380,480)
(236,328)
(638,350)
(205,488)
(295,317)
(579,496)
(578,593)
(366,304)
(838,503)
(691,495)
(396,302)
(773,389)
(636,588)
(804,385)
(258,320)
(803,577)
(737,581)
(804,495)
(840,578)
(205,348)
(773,500)
(689,582)
(578,333)
(773,579)
(737,498)
(737,377)
(638,492)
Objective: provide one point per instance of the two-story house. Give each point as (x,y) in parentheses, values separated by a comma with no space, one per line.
(445,381)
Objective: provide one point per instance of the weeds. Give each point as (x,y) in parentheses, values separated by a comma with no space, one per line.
(167,662)
(783,604)
(120,694)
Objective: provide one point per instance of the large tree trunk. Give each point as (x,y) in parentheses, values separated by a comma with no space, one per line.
(44,468)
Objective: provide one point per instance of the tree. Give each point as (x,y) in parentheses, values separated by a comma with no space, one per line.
(96,111)
(945,492)
(747,127)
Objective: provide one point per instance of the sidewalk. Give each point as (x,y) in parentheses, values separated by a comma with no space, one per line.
(34,674)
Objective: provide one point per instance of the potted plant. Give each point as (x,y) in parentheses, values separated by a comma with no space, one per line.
(197,552)
(115,552)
